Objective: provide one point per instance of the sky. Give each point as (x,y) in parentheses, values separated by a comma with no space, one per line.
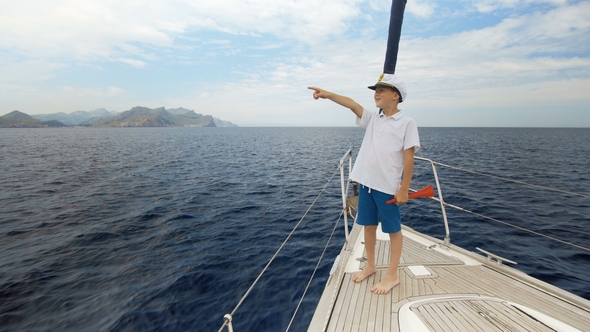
(466,63)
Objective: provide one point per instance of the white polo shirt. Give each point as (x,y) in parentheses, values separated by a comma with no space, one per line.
(380,162)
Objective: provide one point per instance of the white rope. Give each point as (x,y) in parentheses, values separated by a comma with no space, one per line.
(227,321)
(314,271)
(510,180)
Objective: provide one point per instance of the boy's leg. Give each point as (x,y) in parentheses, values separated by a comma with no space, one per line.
(391,278)
(370,242)
(367,217)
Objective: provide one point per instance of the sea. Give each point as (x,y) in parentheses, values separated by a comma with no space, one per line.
(166,229)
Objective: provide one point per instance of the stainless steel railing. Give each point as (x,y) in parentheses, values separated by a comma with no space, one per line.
(345,186)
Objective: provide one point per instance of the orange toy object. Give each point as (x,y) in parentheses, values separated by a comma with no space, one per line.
(427,191)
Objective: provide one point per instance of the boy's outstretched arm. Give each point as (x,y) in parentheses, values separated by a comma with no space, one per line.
(338,99)
(402,194)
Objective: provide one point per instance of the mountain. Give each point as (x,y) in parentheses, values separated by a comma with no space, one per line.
(216,121)
(222,123)
(74,118)
(135,117)
(157,117)
(18,119)
(179,110)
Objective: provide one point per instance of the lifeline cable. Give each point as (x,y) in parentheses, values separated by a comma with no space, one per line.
(227,320)
(511,225)
(515,181)
(314,271)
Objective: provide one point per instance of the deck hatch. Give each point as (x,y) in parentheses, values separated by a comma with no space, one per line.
(469,314)
(420,271)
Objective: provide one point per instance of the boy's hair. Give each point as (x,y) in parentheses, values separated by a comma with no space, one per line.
(398,93)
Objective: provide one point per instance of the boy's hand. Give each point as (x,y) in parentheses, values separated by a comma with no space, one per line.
(318,93)
(401,197)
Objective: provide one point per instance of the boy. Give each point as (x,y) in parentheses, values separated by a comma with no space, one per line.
(387,152)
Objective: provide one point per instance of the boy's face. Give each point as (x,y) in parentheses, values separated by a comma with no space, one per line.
(384,96)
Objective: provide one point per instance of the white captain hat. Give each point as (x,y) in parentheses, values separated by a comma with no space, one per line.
(392,81)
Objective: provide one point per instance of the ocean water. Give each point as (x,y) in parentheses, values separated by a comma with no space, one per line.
(164,229)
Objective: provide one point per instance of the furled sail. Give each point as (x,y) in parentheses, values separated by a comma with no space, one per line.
(395,30)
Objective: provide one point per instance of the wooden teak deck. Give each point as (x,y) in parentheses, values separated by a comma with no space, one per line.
(442,289)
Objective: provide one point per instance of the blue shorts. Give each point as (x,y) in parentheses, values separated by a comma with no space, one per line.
(372,208)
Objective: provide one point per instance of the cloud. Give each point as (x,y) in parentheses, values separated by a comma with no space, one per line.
(78,92)
(67,32)
(35,99)
(88,29)
(133,62)
(486,6)
(80,29)
(518,61)
(517,51)
(278,48)
(421,8)
(15,70)
(305,20)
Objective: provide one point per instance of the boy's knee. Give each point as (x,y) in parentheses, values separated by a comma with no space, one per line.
(370,228)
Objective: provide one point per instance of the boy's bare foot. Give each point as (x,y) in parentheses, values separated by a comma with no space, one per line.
(386,284)
(364,274)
